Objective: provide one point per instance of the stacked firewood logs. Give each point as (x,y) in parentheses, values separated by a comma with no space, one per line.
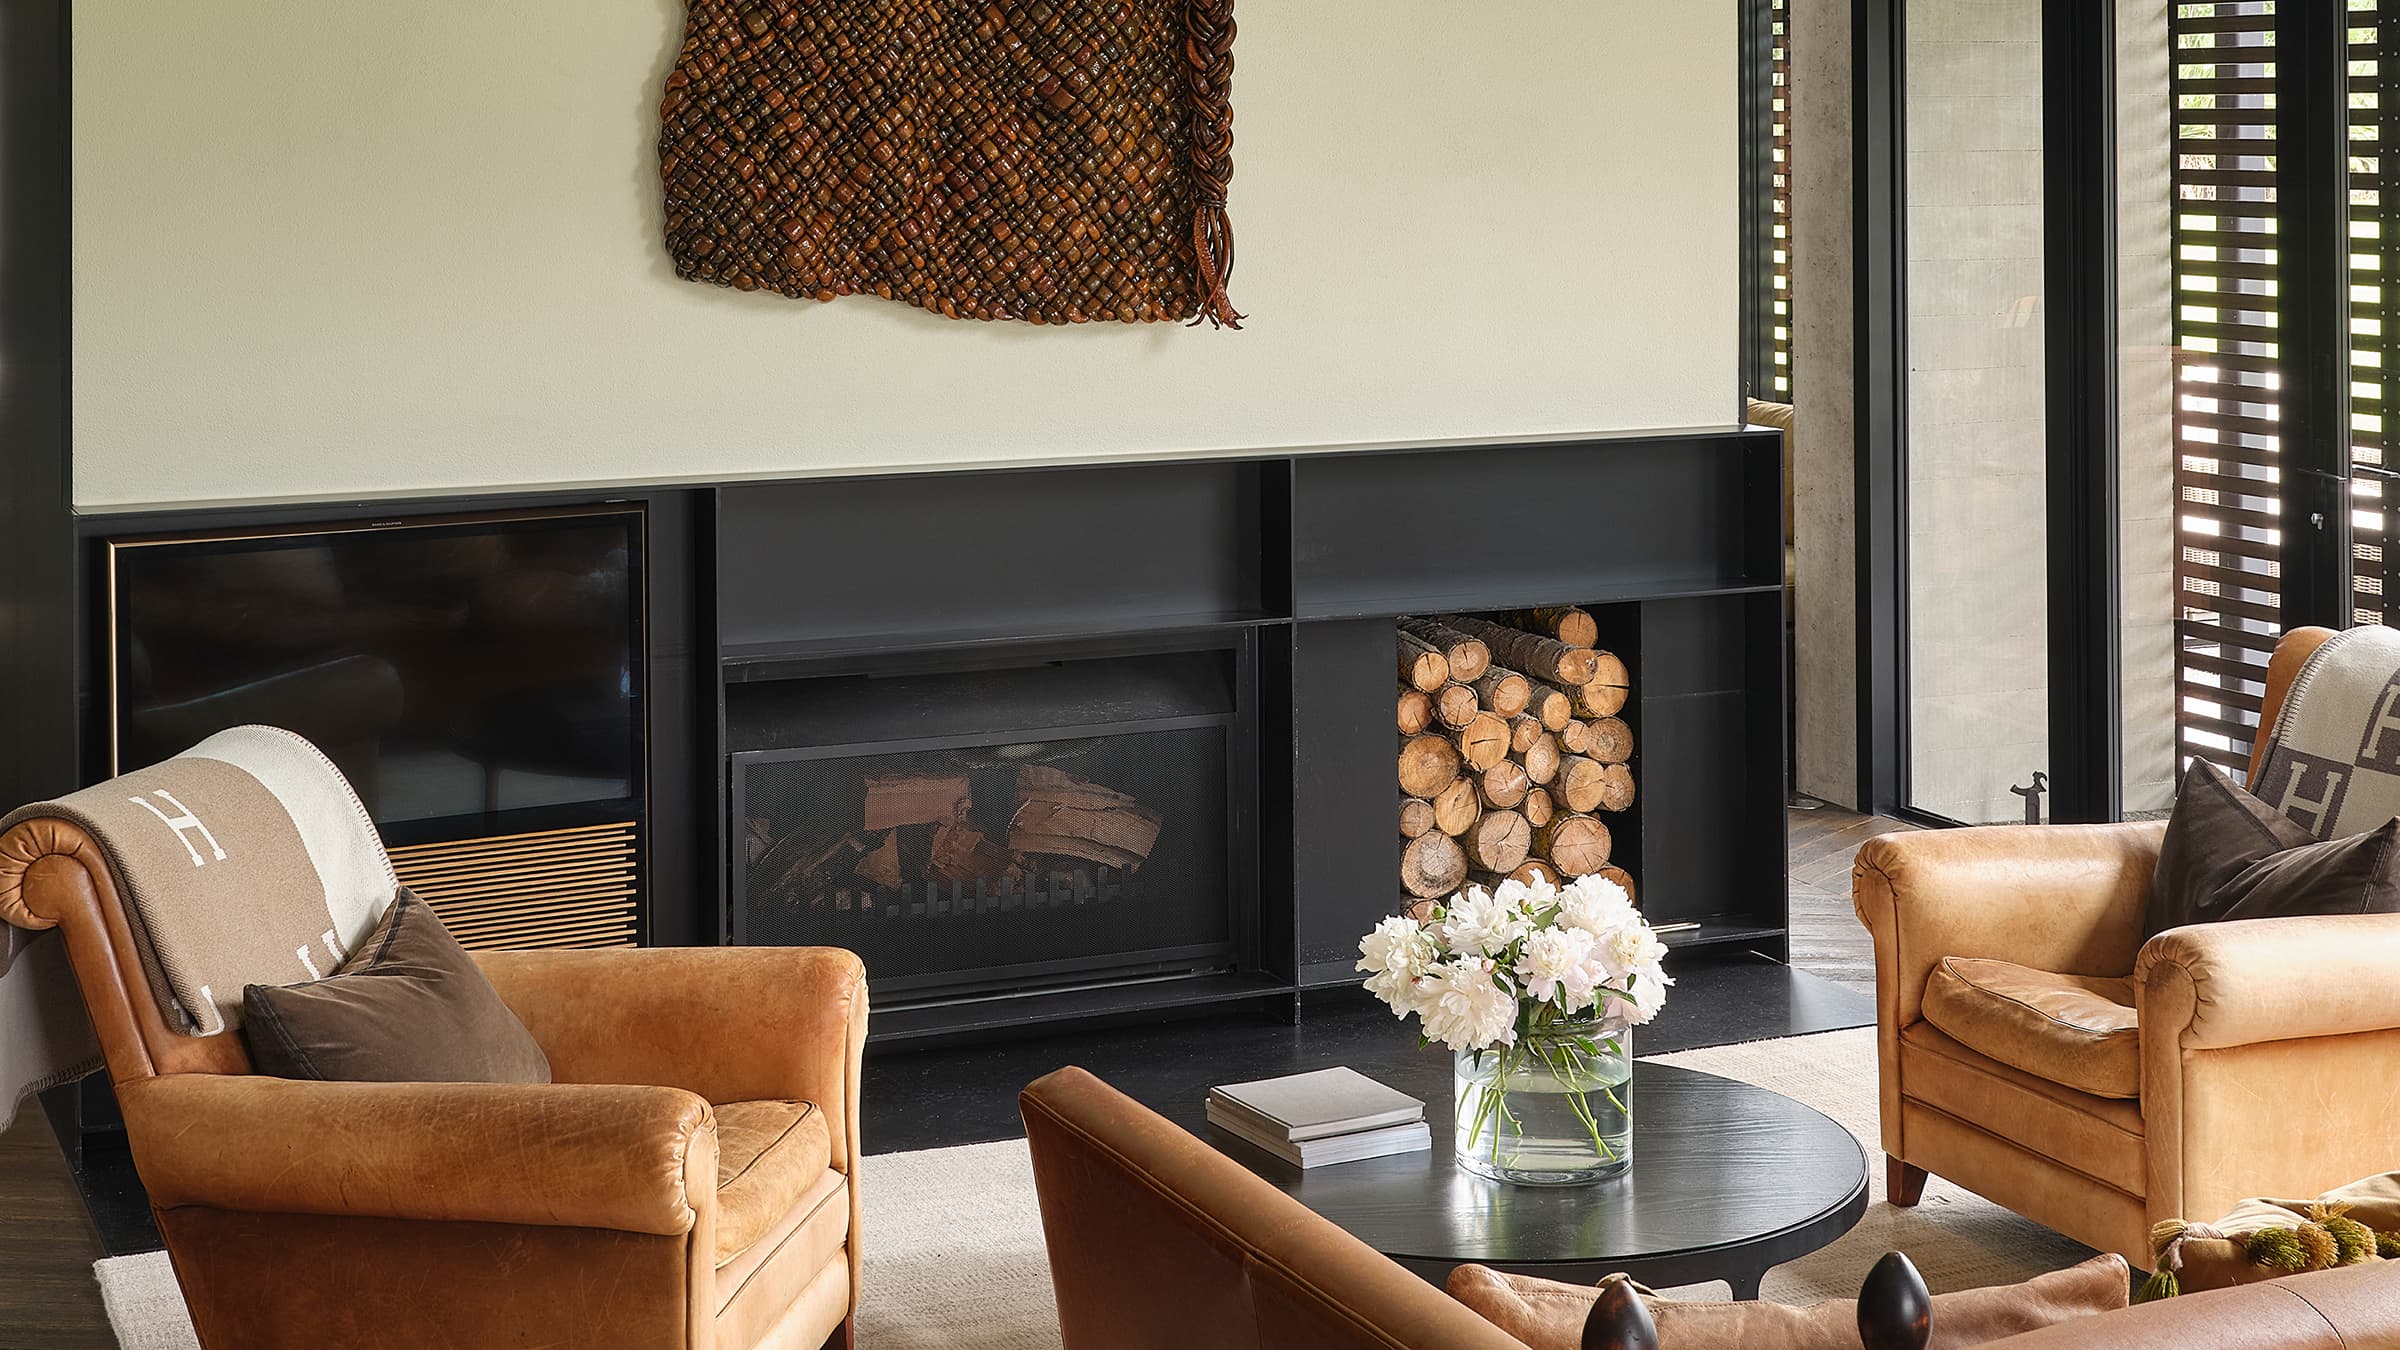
(1511,748)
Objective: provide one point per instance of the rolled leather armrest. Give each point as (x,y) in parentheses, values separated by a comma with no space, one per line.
(2217,985)
(632,1159)
(729,1023)
(2062,898)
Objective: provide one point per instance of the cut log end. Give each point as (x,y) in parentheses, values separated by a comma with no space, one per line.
(1483,742)
(1576,845)
(1422,665)
(1416,816)
(1504,785)
(1427,765)
(1415,711)
(1432,866)
(1456,705)
(1456,807)
(1500,841)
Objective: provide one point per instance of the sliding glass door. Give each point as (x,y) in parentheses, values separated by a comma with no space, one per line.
(1976,555)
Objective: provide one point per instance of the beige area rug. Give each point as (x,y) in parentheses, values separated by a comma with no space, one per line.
(954,1238)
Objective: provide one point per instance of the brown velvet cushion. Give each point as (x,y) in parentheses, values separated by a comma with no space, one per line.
(768,1155)
(2077,1031)
(2228,855)
(1547,1315)
(409,1006)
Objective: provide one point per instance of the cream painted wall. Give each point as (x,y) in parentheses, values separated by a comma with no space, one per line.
(327,247)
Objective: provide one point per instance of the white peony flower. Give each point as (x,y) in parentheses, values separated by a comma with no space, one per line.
(1649,994)
(1395,955)
(1476,923)
(1553,958)
(1467,1006)
(1629,951)
(1597,906)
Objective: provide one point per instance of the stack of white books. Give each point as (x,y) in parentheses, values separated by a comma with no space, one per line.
(1329,1116)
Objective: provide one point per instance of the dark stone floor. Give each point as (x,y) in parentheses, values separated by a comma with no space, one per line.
(935,1098)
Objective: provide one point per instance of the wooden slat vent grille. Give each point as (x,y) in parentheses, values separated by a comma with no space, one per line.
(566,888)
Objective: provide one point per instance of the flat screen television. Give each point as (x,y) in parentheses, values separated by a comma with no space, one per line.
(479,669)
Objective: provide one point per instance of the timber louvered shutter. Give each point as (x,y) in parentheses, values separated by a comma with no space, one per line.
(2374,328)
(2228,524)
(1780,279)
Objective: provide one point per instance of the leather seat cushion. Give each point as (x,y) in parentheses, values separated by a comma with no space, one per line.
(2079,1031)
(768,1155)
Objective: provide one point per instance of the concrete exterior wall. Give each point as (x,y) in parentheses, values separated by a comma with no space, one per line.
(1825,590)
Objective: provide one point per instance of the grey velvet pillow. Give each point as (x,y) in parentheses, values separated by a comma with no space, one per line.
(409,1006)
(2229,855)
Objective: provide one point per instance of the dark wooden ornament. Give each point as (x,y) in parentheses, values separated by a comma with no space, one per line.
(1620,1320)
(1895,1312)
(1055,161)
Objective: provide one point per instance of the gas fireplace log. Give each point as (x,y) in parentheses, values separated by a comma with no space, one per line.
(1612,741)
(896,799)
(965,854)
(1503,691)
(1468,657)
(1499,841)
(1073,817)
(1541,759)
(1616,787)
(1538,807)
(1578,785)
(1553,708)
(1456,807)
(799,869)
(1483,742)
(1576,845)
(881,866)
(1427,765)
(1504,785)
(1416,816)
(1422,665)
(758,836)
(1455,706)
(1415,711)
(1542,657)
(1568,624)
(1432,866)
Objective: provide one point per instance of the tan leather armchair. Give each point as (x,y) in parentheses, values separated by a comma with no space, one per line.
(2245,1058)
(687,1182)
(1159,1242)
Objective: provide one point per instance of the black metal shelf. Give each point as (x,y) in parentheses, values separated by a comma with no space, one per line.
(787,658)
(1612,593)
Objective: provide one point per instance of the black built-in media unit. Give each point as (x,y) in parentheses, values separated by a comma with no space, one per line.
(1205,645)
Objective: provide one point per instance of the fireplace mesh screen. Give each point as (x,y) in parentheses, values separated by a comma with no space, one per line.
(994,866)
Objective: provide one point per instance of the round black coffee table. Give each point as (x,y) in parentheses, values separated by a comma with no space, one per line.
(1728,1180)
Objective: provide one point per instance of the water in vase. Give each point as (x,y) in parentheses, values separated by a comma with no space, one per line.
(1537,1118)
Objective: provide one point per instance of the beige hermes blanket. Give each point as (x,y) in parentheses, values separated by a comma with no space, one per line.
(2333,756)
(244,860)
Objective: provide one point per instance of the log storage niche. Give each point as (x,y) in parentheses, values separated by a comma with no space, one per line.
(1514,752)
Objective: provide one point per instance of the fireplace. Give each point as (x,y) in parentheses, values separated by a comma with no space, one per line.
(983,834)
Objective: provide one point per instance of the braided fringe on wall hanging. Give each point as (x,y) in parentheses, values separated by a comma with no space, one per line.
(1055,161)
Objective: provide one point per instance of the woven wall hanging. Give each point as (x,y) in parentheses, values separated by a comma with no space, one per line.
(1057,161)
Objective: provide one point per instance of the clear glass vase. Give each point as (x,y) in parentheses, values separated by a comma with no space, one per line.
(1555,1109)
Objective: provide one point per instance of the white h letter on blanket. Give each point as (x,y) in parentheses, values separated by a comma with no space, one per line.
(179,824)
